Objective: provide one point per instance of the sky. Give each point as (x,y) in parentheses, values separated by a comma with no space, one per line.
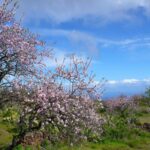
(114,33)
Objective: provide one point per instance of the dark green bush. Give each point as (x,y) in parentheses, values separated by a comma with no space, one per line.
(121,123)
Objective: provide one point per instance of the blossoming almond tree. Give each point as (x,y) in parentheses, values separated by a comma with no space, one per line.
(52,103)
(20,54)
(61,99)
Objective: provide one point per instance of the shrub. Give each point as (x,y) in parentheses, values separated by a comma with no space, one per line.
(121,120)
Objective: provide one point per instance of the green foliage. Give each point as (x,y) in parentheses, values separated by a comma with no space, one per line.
(9,114)
(5,137)
(53,133)
(120,124)
(121,132)
(147,92)
(145,101)
(92,137)
(144,118)
(141,143)
(116,129)
(19,147)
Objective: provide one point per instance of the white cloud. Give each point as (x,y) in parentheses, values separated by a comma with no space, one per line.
(66,10)
(60,11)
(128,81)
(91,42)
(57,59)
(79,36)
(112,82)
(146,80)
(59,56)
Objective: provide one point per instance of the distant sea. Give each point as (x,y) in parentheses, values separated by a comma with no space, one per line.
(113,91)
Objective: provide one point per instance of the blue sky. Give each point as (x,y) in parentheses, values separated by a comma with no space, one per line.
(116,34)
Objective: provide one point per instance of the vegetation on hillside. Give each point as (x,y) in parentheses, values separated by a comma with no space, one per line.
(123,129)
(60,108)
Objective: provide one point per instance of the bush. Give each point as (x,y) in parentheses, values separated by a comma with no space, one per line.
(121,121)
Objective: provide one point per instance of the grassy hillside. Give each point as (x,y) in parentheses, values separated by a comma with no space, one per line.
(116,137)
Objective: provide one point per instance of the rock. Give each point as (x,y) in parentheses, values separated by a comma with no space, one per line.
(146,126)
(33,138)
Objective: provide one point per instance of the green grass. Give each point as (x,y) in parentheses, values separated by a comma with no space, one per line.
(5,138)
(6,132)
(5,135)
(145,118)
(139,142)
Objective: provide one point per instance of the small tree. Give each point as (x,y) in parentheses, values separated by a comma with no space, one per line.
(51,102)
(147,93)
(146,99)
